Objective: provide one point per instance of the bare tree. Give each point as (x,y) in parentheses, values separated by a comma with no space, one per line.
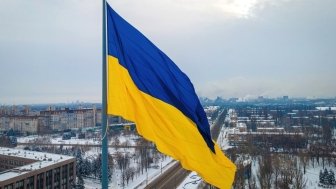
(286,172)
(123,160)
(276,169)
(123,179)
(143,153)
(125,143)
(299,182)
(303,161)
(252,184)
(115,141)
(265,172)
(129,172)
(239,182)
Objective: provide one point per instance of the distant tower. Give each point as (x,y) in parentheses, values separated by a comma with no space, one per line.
(285,97)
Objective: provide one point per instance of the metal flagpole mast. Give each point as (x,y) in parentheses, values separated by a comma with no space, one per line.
(104,159)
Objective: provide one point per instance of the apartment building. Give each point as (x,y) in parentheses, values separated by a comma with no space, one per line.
(49,120)
(70,119)
(20,123)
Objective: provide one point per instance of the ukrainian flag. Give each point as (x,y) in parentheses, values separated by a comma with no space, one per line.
(146,87)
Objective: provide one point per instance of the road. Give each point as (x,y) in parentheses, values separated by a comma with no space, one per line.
(174,176)
(170,178)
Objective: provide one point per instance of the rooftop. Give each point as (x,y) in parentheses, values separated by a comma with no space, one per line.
(42,160)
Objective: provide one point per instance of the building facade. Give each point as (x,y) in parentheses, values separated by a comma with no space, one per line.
(20,123)
(49,120)
(70,119)
(35,170)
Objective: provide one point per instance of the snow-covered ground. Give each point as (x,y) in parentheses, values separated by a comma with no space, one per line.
(326,108)
(191,182)
(139,181)
(58,140)
(311,176)
(222,140)
(143,180)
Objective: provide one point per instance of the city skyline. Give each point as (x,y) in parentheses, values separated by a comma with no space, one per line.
(50,52)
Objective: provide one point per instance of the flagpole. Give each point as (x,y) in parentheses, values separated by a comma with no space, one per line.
(104,156)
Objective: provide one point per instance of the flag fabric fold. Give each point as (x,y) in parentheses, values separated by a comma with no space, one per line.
(146,87)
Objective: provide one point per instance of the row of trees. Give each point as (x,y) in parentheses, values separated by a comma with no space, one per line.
(89,168)
(127,164)
(275,171)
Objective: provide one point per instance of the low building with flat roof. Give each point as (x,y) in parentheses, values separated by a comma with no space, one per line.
(22,169)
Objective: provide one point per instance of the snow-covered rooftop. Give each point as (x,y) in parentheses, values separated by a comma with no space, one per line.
(326,108)
(42,160)
(242,125)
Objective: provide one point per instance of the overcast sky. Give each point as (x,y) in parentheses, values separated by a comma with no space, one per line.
(50,51)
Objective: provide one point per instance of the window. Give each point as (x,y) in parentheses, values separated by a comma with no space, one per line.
(57,178)
(39,183)
(9,186)
(30,183)
(64,176)
(19,184)
(49,179)
(71,172)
